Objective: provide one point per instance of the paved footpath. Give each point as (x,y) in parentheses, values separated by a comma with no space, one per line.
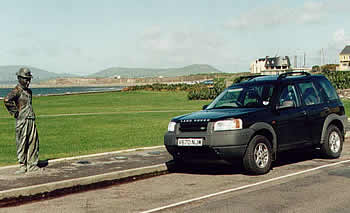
(73,174)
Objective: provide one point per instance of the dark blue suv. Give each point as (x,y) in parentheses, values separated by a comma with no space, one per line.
(262,115)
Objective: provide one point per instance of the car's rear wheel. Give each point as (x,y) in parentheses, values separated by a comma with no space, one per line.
(333,145)
(258,156)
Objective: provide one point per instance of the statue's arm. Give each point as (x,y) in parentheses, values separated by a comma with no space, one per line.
(10,102)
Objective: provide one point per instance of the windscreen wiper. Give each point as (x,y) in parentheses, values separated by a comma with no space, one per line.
(223,107)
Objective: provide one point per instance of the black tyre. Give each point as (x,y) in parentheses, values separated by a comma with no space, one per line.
(333,145)
(258,156)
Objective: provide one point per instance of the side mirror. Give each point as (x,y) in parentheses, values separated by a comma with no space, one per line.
(285,104)
(205,106)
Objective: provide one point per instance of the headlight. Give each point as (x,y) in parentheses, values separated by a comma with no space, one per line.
(228,125)
(171,127)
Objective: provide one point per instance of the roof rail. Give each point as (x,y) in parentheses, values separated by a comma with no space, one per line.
(284,75)
(248,77)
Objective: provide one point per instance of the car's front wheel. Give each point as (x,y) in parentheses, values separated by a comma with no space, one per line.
(333,145)
(258,156)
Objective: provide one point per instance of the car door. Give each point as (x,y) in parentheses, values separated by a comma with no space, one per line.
(316,107)
(290,122)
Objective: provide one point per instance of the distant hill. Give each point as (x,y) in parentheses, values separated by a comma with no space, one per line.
(8,74)
(143,72)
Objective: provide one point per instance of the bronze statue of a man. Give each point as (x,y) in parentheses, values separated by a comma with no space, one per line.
(19,104)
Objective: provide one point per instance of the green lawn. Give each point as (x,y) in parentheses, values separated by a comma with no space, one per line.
(347,107)
(123,123)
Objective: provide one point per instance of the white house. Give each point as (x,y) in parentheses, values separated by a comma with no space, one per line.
(344,59)
(270,65)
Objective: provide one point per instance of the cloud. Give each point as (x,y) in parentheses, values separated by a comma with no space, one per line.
(52,55)
(329,53)
(162,40)
(276,16)
(258,18)
(340,37)
(339,41)
(182,46)
(312,13)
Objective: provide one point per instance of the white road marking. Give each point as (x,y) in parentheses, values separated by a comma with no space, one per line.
(244,187)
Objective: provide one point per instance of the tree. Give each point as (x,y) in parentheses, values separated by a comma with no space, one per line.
(315,68)
(329,67)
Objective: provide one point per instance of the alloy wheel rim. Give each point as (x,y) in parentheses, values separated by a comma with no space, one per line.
(261,155)
(334,142)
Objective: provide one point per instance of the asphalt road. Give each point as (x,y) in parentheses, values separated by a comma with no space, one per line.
(299,182)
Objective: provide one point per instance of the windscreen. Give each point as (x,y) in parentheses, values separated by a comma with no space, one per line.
(253,96)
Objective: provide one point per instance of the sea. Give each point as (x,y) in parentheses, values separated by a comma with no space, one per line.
(64,90)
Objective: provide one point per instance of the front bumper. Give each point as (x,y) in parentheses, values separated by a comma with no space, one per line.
(225,145)
(207,153)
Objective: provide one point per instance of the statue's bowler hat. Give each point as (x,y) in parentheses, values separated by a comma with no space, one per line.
(24,73)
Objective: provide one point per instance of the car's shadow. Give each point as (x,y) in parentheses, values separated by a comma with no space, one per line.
(205,168)
(296,156)
(236,167)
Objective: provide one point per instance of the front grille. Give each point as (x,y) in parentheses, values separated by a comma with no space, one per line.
(193,126)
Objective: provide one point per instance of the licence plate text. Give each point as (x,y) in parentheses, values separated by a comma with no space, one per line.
(190,142)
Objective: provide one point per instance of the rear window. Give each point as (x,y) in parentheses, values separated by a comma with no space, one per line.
(327,90)
(309,93)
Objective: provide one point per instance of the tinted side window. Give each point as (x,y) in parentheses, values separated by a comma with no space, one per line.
(258,95)
(309,93)
(289,96)
(327,89)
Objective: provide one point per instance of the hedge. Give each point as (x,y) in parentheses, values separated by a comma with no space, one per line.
(339,79)
(203,92)
(161,87)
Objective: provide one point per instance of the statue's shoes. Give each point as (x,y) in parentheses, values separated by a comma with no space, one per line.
(35,169)
(21,171)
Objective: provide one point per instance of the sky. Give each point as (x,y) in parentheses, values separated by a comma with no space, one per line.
(87,36)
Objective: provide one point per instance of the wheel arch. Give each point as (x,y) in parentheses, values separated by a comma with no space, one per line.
(333,119)
(266,130)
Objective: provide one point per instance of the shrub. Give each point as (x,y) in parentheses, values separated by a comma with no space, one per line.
(339,79)
(203,92)
(161,87)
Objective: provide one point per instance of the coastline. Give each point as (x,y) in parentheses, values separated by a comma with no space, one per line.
(112,82)
(6,86)
(46,90)
(124,84)
(121,85)
(74,93)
